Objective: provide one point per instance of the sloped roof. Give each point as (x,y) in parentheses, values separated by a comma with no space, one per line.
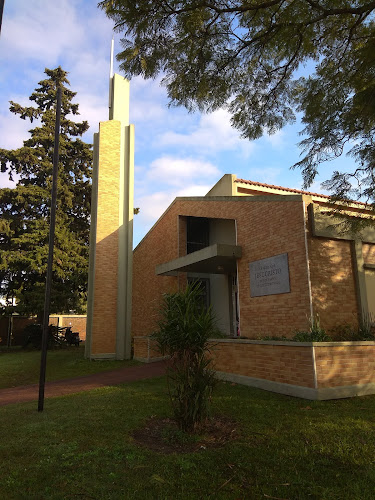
(291,190)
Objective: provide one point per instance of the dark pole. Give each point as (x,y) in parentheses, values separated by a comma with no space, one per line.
(47,297)
(1,12)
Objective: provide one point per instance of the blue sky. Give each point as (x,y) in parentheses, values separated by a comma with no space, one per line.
(176,153)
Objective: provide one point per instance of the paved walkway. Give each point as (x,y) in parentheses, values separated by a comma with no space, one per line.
(26,393)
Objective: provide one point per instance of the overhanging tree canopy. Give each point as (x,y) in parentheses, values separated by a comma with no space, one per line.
(247,56)
(24,210)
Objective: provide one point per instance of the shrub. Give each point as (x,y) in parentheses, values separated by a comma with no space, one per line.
(350,333)
(315,333)
(366,329)
(184,330)
(344,333)
(33,336)
(275,338)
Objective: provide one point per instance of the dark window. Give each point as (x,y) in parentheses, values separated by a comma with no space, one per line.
(197,237)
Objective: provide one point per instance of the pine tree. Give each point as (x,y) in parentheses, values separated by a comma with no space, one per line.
(24,210)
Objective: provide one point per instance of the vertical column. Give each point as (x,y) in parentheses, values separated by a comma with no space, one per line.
(360,278)
(92,243)
(104,313)
(111,238)
(125,261)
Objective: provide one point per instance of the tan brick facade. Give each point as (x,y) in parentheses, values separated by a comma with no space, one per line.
(158,246)
(368,250)
(327,275)
(332,282)
(78,324)
(106,268)
(340,365)
(278,363)
(264,229)
(145,349)
(326,370)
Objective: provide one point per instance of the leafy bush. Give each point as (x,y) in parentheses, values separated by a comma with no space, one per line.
(184,330)
(366,328)
(316,332)
(276,338)
(33,336)
(349,333)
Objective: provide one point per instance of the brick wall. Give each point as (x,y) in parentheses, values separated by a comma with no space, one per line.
(345,364)
(145,349)
(318,366)
(333,286)
(264,229)
(288,364)
(78,324)
(141,350)
(368,250)
(160,245)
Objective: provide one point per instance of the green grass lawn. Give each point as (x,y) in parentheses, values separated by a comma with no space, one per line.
(81,447)
(18,367)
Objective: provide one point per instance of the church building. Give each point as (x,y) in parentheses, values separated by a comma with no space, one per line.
(268,259)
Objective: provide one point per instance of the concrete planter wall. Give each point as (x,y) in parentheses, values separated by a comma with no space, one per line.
(310,370)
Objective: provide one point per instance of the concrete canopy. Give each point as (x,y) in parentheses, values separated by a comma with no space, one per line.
(214,259)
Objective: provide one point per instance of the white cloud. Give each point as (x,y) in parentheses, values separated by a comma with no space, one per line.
(6,183)
(178,171)
(154,205)
(213,134)
(195,190)
(316,188)
(277,140)
(148,102)
(92,108)
(13,131)
(146,110)
(267,175)
(167,178)
(28,34)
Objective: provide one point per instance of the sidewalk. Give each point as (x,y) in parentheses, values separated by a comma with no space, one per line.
(26,393)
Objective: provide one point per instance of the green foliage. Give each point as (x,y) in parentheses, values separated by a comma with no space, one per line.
(316,332)
(284,447)
(171,435)
(33,336)
(185,324)
(315,336)
(275,338)
(349,333)
(366,327)
(184,330)
(248,57)
(24,211)
(22,367)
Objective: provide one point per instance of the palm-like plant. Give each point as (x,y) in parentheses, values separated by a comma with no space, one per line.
(184,331)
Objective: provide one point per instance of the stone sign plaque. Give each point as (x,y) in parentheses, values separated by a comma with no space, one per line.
(269,276)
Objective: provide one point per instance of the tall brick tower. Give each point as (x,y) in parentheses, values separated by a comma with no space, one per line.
(111,237)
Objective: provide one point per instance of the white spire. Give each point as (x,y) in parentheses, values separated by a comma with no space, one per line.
(111,63)
(110,95)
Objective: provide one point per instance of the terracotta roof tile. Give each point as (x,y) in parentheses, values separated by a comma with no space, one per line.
(290,190)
